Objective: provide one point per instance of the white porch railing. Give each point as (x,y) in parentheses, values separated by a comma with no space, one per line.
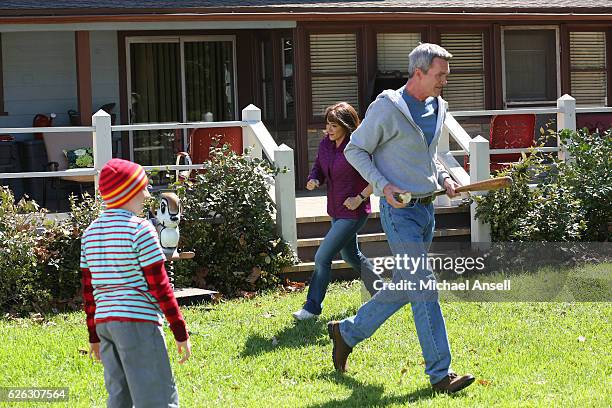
(254,134)
(479,153)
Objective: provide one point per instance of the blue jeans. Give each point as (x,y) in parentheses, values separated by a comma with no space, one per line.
(341,237)
(409,232)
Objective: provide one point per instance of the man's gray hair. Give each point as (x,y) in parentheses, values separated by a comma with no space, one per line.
(423,55)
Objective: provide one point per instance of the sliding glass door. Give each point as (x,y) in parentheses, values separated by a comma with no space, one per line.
(177,79)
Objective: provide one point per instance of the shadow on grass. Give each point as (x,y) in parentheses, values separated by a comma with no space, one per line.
(366,395)
(297,335)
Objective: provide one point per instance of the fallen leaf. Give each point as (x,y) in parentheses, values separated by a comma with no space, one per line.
(472,350)
(247,295)
(268,315)
(486,383)
(404,371)
(581,339)
(37,317)
(293,286)
(498,350)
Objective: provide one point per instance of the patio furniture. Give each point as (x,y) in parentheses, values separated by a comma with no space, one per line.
(55,145)
(508,132)
(10,163)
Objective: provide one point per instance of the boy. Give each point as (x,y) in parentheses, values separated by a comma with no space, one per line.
(125,290)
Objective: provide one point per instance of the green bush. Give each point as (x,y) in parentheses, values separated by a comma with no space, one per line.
(571,201)
(39,267)
(39,259)
(21,288)
(228,223)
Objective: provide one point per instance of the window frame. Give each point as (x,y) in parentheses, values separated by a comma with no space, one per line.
(607,31)
(2,111)
(315,121)
(488,67)
(557,30)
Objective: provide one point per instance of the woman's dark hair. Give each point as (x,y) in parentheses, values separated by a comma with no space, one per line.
(344,115)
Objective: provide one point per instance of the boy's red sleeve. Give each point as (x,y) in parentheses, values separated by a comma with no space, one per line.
(89,305)
(160,288)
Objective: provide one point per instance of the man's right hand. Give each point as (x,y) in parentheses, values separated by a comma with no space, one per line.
(312,184)
(389,191)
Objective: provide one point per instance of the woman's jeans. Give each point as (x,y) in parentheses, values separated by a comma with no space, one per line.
(342,237)
(409,232)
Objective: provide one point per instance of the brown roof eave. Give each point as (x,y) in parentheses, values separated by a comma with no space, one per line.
(299,10)
(344,14)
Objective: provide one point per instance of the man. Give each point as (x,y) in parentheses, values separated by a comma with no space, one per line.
(395,149)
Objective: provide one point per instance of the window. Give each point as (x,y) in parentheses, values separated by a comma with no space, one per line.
(2,112)
(530,66)
(333,67)
(588,67)
(287,66)
(466,82)
(392,51)
(267,80)
(177,79)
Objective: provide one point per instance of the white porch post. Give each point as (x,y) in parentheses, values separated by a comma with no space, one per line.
(284,190)
(102,141)
(443,147)
(566,119)
(479,170)
(251,114)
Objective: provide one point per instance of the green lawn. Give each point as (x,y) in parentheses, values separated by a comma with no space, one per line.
(250,353)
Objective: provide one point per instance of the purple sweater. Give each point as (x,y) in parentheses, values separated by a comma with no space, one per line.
(343,181)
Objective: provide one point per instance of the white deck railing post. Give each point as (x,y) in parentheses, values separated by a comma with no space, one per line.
(566,119)
(251,114)
(479,170)
(443,148)
(284,190)
(102,141)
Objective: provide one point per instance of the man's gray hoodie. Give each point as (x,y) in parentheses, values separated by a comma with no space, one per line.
(397,146)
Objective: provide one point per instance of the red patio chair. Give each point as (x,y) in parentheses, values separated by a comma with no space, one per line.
(200,142)
(508,132)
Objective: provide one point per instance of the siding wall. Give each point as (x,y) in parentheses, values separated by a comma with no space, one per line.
(39,72)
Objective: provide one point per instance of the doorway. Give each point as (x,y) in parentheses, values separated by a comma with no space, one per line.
(177,79)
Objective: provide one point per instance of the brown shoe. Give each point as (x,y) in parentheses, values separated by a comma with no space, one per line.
(341,350)
(453,383)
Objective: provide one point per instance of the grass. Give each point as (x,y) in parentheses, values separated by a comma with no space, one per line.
(250,353)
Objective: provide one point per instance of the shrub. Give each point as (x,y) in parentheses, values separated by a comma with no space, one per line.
(39,259)
(39,267)
(21,288)
(227,222)
(571,201)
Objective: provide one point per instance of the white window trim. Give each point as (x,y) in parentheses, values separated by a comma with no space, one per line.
(503,65)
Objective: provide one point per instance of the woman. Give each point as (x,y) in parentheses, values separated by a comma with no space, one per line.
(348,204)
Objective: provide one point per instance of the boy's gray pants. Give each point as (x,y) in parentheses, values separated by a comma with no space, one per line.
(136,366)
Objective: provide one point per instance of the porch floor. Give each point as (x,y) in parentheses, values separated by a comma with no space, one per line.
(310,207)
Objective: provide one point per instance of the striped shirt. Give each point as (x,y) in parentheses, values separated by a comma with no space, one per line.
(122,264)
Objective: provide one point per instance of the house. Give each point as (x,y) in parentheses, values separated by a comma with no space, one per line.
(193,60)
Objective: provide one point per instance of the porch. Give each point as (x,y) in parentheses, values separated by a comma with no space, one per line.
(302,220)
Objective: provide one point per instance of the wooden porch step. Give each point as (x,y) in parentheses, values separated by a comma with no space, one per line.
(377,237)
(376,214)
(373,245)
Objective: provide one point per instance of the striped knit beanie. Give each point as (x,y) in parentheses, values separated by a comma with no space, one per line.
(120,181)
